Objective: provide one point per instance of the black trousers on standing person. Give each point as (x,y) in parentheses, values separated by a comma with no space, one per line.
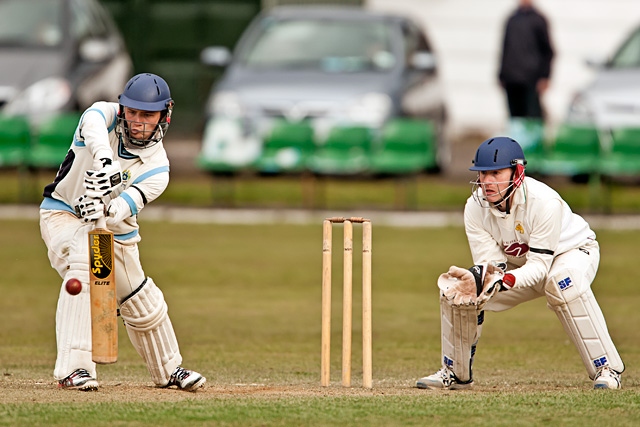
(523,100)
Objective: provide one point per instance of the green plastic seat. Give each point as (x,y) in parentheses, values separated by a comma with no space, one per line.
(287,148)
(623,157)
(226,148)
(345,152)
(529,132)
(15,140)
(53,140)
(406,147)
(575,151)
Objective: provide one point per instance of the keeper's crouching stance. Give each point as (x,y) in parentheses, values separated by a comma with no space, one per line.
(115,166)
(526,244)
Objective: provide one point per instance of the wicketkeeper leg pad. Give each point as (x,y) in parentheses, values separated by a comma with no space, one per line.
(151,332)
(584,322)
(459,327)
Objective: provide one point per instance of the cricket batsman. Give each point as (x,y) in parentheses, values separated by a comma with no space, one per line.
(115,166)
(525,243)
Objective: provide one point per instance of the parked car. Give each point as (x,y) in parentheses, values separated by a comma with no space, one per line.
(613,98)
(328,66)
(58,56)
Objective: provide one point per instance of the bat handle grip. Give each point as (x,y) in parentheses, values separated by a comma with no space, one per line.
(101,222)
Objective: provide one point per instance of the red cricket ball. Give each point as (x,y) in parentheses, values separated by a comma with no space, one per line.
(73,286)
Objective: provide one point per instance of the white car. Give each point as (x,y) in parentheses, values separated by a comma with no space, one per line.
(58,56)
(613,98)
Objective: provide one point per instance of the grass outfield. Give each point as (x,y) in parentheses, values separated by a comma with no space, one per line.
(245,303)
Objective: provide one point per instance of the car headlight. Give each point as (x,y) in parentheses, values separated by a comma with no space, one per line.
(372,109)
(580,110)
(44,96)
(226,104)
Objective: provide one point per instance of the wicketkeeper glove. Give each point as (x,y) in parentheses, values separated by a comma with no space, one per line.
(508,282)
(100,183)
(89,209)
(489,281)
(474,286)
(458,285)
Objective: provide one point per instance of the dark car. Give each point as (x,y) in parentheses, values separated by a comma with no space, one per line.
(58,56)
(329,66)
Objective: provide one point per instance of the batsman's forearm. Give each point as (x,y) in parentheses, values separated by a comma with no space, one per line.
(94,131)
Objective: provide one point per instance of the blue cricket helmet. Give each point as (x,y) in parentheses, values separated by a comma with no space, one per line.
(147,92)
(498,153)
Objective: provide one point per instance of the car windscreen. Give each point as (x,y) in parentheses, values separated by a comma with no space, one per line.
(31,23)
(334,46)
(628,56)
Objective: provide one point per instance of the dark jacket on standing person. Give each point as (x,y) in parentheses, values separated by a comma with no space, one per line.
(527,51)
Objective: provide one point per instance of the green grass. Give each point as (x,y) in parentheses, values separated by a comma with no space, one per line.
(526,409)
(245,303)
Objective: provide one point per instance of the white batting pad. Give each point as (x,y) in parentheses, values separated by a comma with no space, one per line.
(584,322)
(151,332)
(73,323)
(459,327)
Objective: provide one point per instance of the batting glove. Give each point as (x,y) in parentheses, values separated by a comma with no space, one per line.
(89,209)
(100,183)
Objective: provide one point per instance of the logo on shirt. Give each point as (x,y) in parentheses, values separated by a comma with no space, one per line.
(519,227)
(515,249)
(126,175)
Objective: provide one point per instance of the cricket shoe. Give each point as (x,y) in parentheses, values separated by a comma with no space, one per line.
(443,379)
(79,379)
(607,378)
(186,380)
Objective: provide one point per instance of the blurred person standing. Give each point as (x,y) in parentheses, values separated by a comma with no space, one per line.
(525,64)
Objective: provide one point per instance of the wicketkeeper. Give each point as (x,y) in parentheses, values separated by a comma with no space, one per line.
(116,166)
(525,243)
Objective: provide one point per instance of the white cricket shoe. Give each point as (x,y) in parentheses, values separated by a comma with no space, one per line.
(607,378)
(186,380)
(80,379)
(443,379)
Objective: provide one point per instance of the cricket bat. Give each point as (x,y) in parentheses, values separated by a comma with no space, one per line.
(102,285)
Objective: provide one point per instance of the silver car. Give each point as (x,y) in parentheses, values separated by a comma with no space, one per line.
(58,56)
(613,98)
(330,66)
